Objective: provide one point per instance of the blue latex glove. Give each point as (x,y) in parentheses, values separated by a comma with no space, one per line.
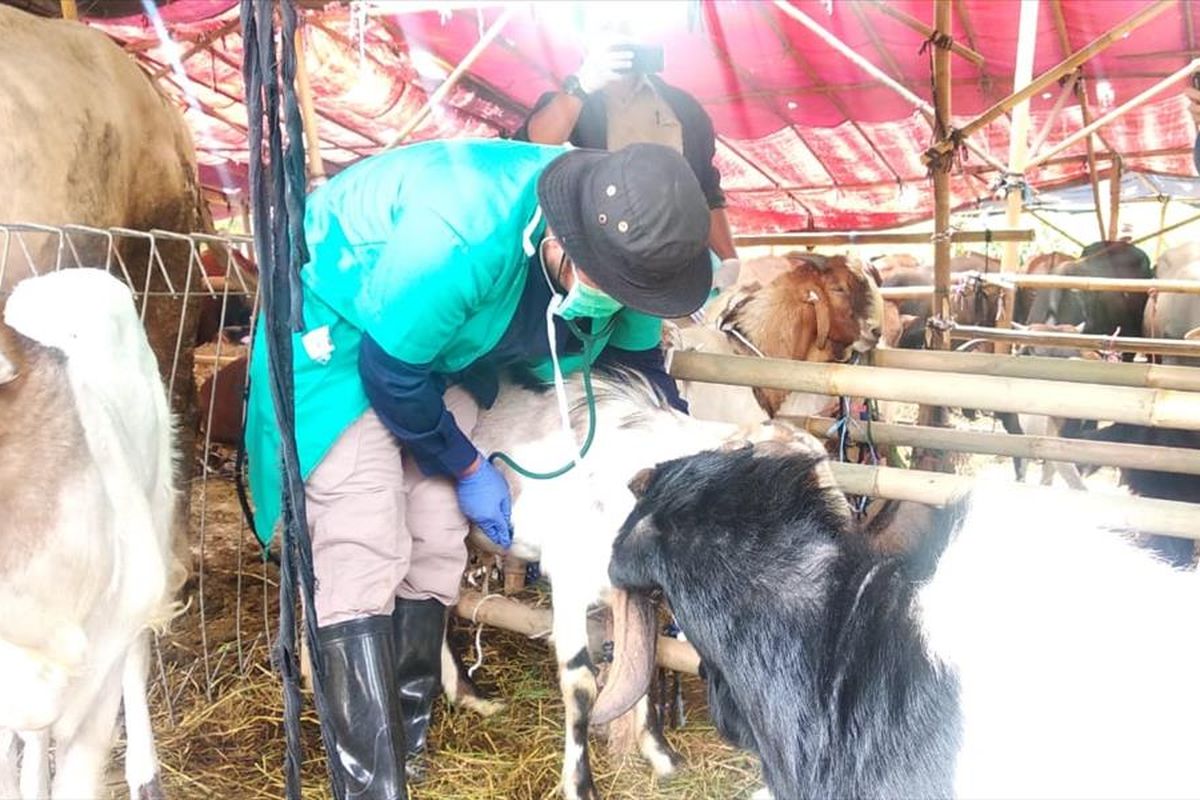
(484,499)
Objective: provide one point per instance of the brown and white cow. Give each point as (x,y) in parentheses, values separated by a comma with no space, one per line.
(89,139)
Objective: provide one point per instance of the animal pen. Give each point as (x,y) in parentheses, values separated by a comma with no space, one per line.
(218,711)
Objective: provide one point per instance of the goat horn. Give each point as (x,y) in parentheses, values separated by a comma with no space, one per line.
(635,637)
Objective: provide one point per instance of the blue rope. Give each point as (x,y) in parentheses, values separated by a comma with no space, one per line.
(277,183)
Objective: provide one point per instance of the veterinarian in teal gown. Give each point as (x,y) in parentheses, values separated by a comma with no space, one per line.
(431,269)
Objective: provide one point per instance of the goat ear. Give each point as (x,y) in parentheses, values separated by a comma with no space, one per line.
(1193,335)
(1079,328)
(1018,326)
(641,482)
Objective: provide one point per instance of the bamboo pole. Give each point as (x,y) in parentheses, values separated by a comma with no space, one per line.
(1168,229)
(926,31)
(1164,408)
(512,615)
(1055,228)
(1052,448)
(1051,75)
(1162,222)
(875,72)
(940,306)
(1119,111)
(1018,154)
(452,79)
(308,111)
(1114,199)
(1168,517)
(827,238)
(1077,282)
(69,9)
(1093,174)
(1076,370)
(1067,90)
(1081,341)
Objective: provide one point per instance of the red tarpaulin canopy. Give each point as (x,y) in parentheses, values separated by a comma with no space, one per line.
(806,139)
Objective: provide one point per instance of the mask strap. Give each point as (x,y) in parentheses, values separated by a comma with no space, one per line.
(527,234)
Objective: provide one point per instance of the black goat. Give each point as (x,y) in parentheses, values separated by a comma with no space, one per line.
(983,663)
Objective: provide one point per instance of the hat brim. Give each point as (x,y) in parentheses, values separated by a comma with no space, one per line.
(560,191)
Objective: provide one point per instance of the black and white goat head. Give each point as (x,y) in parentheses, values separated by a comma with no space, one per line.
(1012,655)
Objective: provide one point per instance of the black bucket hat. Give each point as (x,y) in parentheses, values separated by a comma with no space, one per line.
(636,222)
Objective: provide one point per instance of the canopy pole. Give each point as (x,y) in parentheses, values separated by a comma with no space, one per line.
(874,71)
(1054,73)
(1018,153)
(1055,228)
(1068,89)
(1114,200)
(819,238)
(1119,111)
(308,110)
(941,180)
(1093,175)
(926,31)
(1168,229)
(452,79)
(1162,221)
(69,9)
(941,317)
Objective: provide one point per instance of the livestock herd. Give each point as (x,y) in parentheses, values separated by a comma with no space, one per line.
(1012,651)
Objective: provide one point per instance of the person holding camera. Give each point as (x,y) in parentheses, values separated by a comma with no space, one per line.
(617,98)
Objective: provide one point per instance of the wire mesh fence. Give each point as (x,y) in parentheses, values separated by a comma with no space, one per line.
(196,294)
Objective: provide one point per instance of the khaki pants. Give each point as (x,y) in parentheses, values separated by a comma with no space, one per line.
(380,528)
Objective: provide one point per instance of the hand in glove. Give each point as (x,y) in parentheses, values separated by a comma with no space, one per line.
(484,499)
(604,66)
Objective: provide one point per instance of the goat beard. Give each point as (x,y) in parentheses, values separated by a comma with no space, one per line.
(635,641)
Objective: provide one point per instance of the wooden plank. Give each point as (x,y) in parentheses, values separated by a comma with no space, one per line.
(812,239)
(1053,448)
(1166,408)
(1105,373)
(1081,341)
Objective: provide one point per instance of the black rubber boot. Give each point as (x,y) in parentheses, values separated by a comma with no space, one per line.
(418,626)
(364,708)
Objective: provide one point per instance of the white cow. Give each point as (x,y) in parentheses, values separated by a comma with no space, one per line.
(88,498)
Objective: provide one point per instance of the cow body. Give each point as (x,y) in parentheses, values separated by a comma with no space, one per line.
(1170,315)
(1100,313)
(90,140)
(87,487)
(1021,651)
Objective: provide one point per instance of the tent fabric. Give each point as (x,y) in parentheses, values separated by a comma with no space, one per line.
(807,140)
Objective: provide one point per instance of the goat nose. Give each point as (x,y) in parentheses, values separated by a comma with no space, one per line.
(877,332)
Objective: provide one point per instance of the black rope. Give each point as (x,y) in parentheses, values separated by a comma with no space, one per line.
(277,181)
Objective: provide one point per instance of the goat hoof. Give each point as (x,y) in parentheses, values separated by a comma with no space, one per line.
(152,790)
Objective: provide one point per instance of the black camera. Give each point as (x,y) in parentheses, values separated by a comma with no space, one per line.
(648,59)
